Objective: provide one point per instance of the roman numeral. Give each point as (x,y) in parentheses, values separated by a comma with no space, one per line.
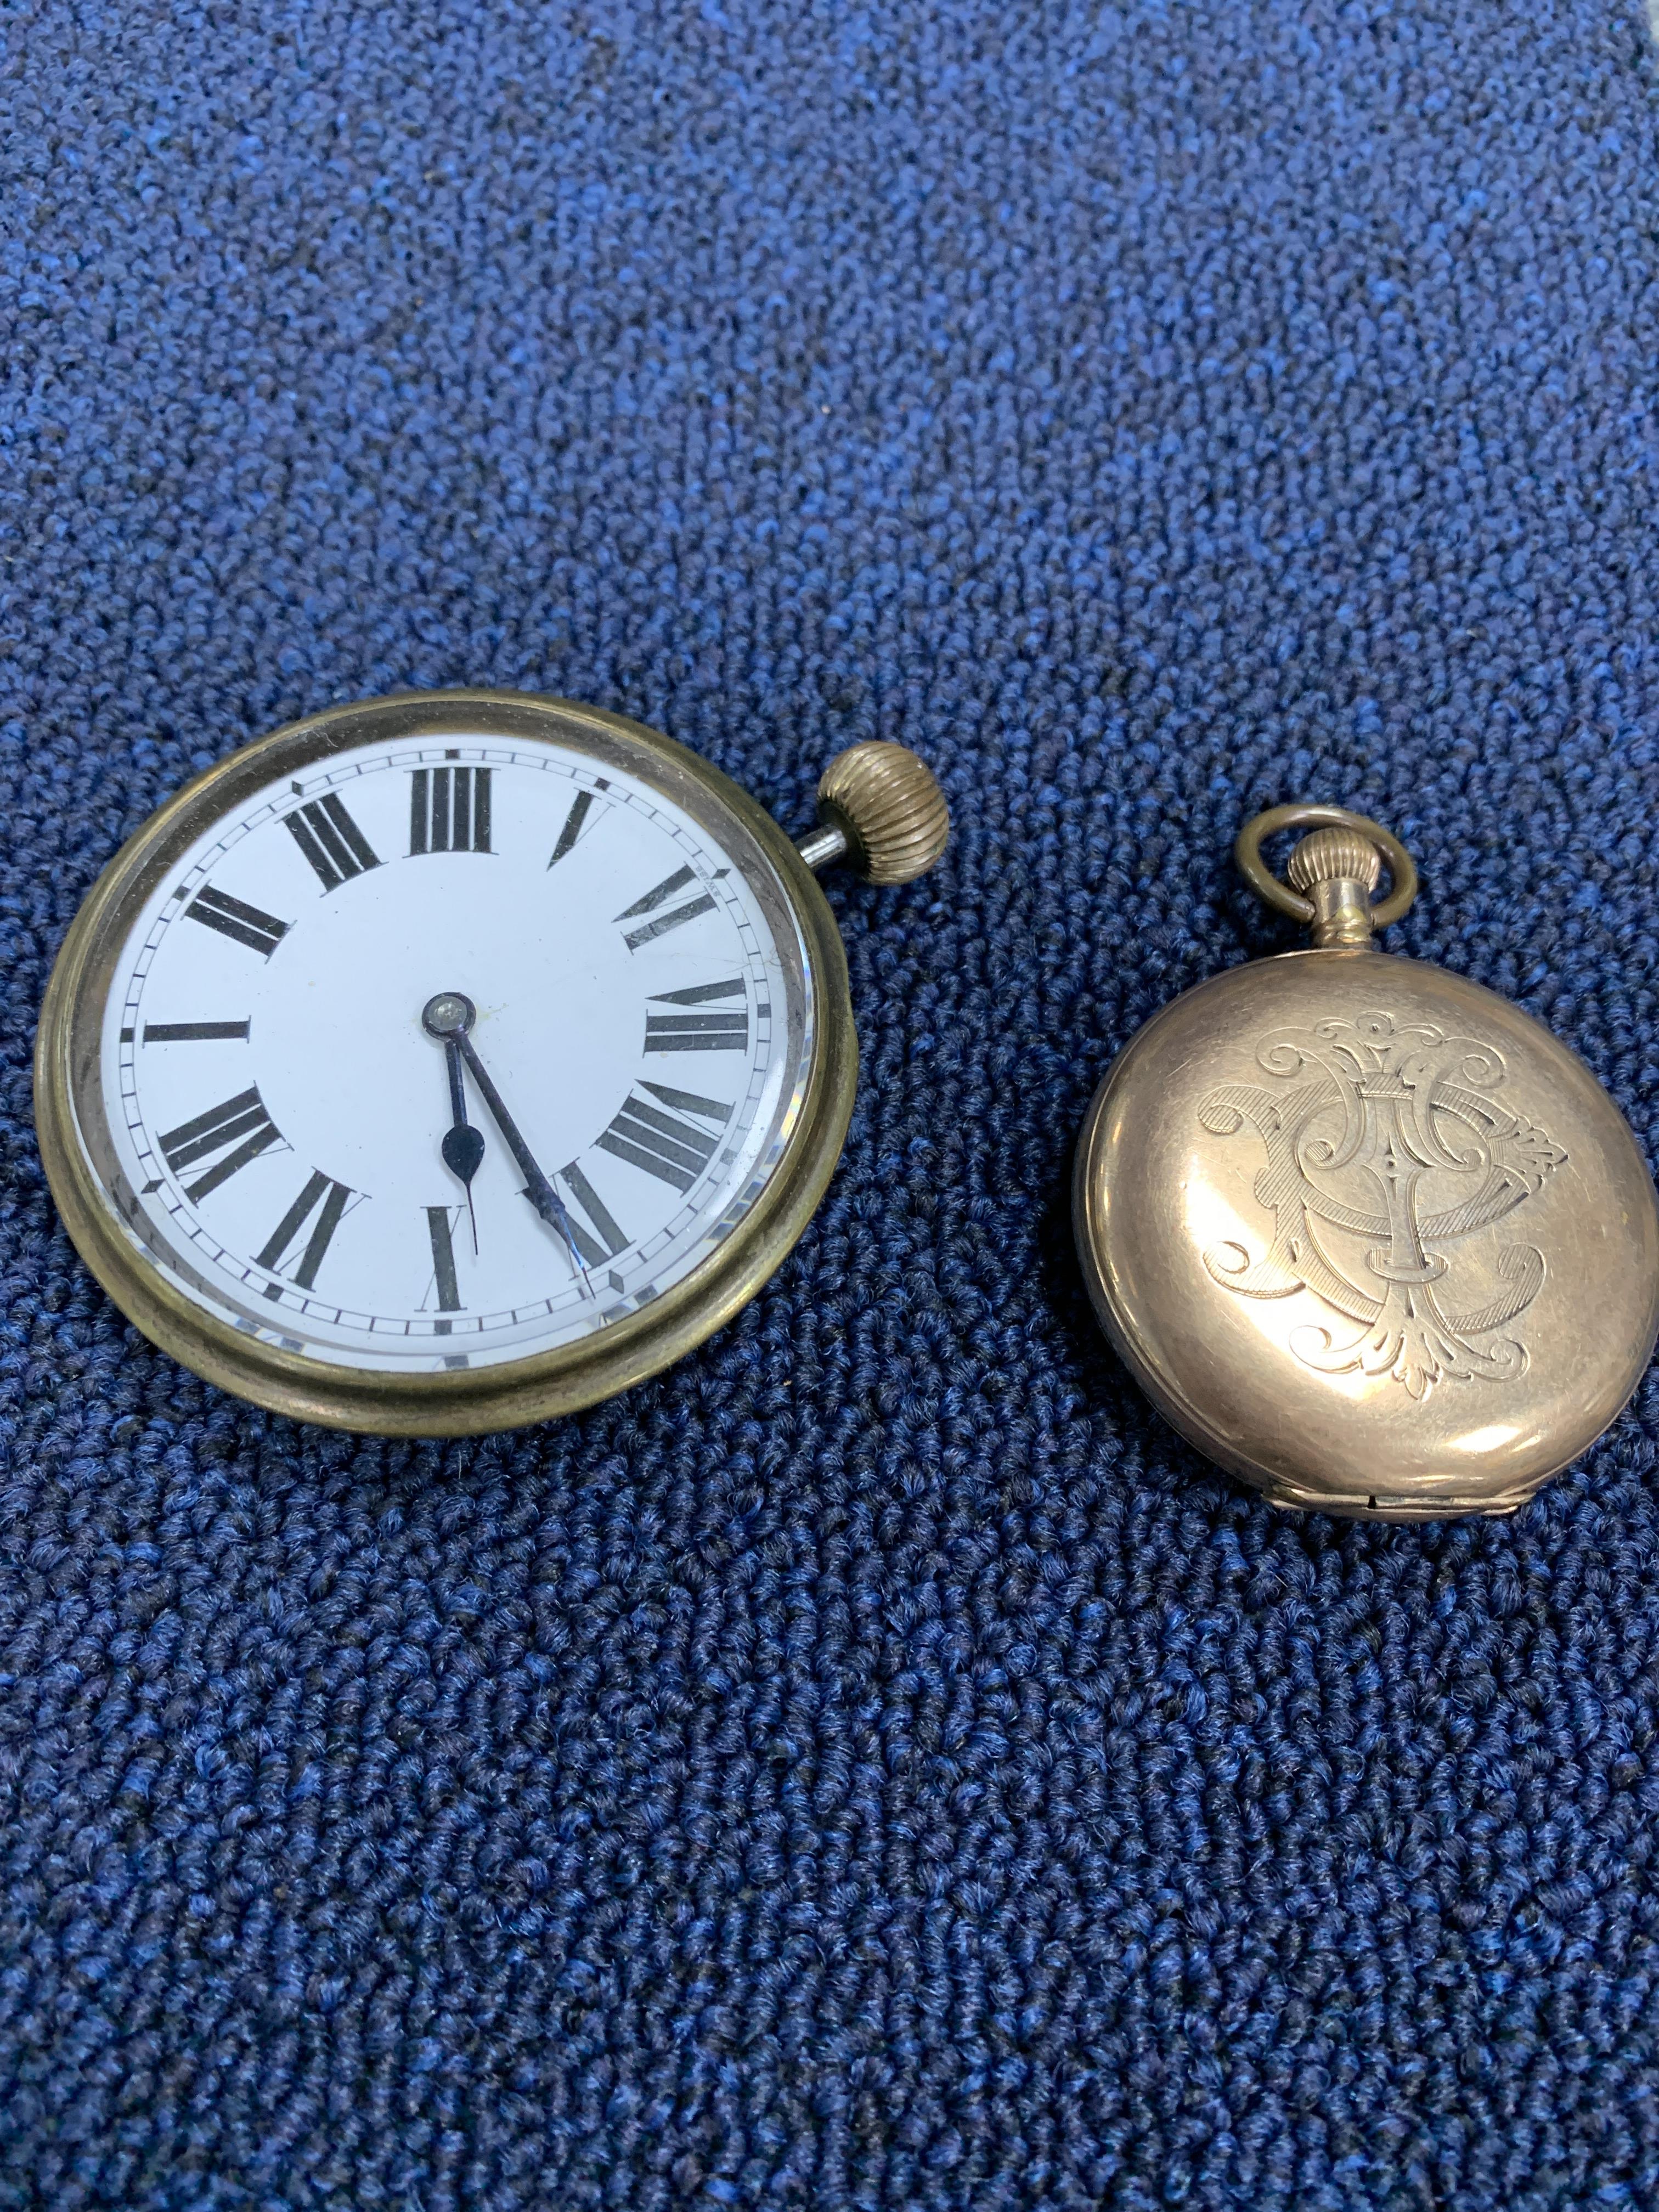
(440,1228)
(611,1239)
(233,917)
(190,1032)
(666,1145)
(330,840)
(576,821)
(320,1191)
(663,923)
(449,810)
(726,1032)
(239,1131)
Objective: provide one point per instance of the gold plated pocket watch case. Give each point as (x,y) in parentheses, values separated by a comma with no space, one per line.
(1364,1232)
(446,1061)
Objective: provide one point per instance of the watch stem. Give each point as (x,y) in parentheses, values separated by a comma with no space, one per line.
(880,809)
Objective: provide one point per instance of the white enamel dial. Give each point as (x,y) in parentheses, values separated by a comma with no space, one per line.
(348,963)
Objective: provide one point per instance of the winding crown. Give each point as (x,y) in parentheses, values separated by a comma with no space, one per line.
(1330,856)
(888,805)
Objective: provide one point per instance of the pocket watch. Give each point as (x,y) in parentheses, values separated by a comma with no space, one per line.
(446,1061)
(1364,1232)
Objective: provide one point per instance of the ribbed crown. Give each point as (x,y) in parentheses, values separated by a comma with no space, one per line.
(890,806)
(1330,856)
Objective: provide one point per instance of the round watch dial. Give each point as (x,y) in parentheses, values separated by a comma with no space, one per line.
(450,1049)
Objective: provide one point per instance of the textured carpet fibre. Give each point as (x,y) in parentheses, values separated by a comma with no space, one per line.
(877,1764)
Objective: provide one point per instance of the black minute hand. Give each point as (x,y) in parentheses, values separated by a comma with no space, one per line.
(449,1016)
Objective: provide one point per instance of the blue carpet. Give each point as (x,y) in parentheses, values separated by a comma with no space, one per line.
(876,1765)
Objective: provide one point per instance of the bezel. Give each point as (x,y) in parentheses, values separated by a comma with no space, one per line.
(68,1093)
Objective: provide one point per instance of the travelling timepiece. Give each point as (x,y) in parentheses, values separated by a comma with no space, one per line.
(1363,1231)
(446,1061)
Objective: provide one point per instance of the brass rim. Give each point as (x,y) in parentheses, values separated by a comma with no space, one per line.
(1306,815)
(515,1392)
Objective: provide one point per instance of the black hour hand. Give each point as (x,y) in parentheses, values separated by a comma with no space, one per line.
(462,1146)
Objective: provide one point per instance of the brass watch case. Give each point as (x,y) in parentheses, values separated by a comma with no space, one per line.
(71,1120)
(1214,1277)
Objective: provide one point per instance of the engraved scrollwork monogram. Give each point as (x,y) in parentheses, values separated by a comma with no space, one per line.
(1387,1138)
